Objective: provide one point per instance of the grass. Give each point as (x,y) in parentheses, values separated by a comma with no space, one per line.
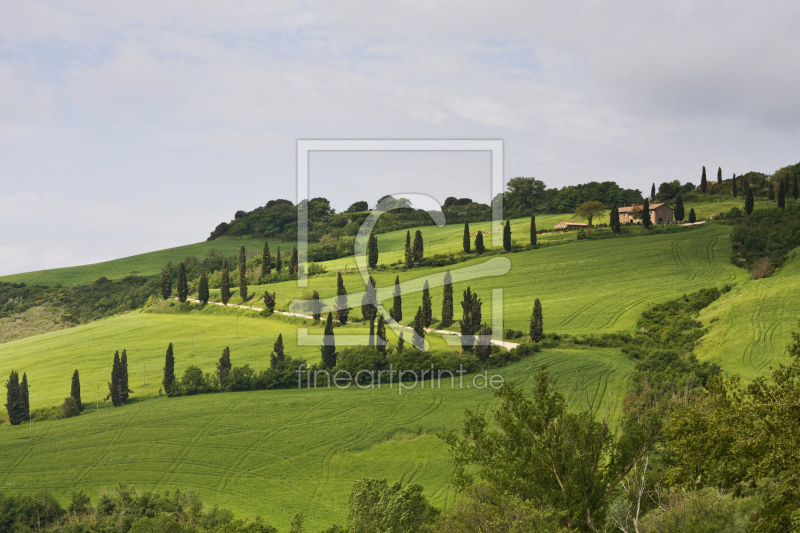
(274,453)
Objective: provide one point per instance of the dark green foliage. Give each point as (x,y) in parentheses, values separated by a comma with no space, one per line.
(371,331)
(467,241)
(471,318)
(795,188)
(409,251)
(224,367)
(169,371)
(369,302)
(645,215)
(417,250)
(397,302)
(202,289)
(734,187)
(278,261)
(342,311)
(692,216)
(328,348)
(358,207)
(653,192)
(766,234)
(533,230)
(115,385)
(269,301)
(316,305)
(380,343)
(447,300)
(507,236)
(703,183)
(123,365)
(75,389)
(69,408)
(293,261)
(613,219)
(427,311)
(372,251)
(277,356)
(483,344)
(679,210)
(771,194)
(719,175)
(24,397)
(749,201)
(183,286)
(165,283)
(225,284)
(479,243)
(400,343)
(419,330)
(266,268)
(242,274)
(782,195)
(13,403)
(537,323)
(374,505)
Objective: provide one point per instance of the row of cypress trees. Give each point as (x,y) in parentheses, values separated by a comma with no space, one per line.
(17,398)
(118,389)
(480,247)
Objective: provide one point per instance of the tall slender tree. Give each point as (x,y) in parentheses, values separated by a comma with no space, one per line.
(734,188)
(277,357)
(24,398)
(183,287)
(409,251)
(372,330)
(278,261)
(124,386)
(653,192)
(75,389)
(202,289)
(749,201)
(225,283)
(419,331)
(372,251)
(169,371)
(703,183)
(646,220)
(466,241)
(447,300)
(316,306)
(397,302)
(400,343)
(115,385)
(269,301)
(224,368)
(536,327)
(782,194)
(242,274)
(533,230)
(507,236)
(369,302)
(692,216)
(613,218)
(719,175)
(795,188)
(427,311)
(266,268)
(293,261)
(341,301)
(417,249)
(328,348)
(13,405)
(679,210)
(471,318)
(380,341)
(165,284)
(479,248)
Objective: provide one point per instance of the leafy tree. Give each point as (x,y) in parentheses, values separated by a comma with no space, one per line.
(719,175)
(269,301)
(374,505)
(507,236)
(224,367)
(588,210)
(372,251)
(646,221)
(427,311)
(266,268)
(409,251)
(341,301)
(165,283)
(13,402)
(417,249)
(369,302)
(471,318)
(225,284)
(749,201)
(293,261)
(381,332)
(202,289)
(123,365)
(69,408)
(328,348)
(653,192)
(278,262)
(419,330)
(533,230)
(316,305)
(397,302)
(466,241)
(483,345)
(169,371)
(679,211)
(703,184)
(781,195)
(692,216)
(75,390)
(447,300)
(242,273)
(183,287)
(537,324)
(358,207)
(795,188)
(479,242)
(734,189)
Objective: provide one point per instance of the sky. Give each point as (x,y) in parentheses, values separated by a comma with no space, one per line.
(127,127)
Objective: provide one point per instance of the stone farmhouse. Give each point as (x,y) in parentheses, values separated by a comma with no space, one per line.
(659,214)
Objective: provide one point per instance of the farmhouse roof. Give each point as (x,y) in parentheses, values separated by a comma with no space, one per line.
(629,209)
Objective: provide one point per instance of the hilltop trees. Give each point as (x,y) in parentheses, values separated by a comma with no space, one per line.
(397,302)
(646,221)
(417,248)
(533,230)
(183,287)
(692,216)
(679,211)
(278,261)
(734,188)
(479,243)
(537,326)
(225,283)
(419,330)
(471,318)
(588,210)
(202,289)
(13,399)
(169,371)
(266,268)
(795,189)
(328,348)
(372,251)
(447,300)
(653,192)
(719,175)
(341,301)
(703,183)
(75,389)
(427,311)
(466,239)
(781,195)
(507,236)
(224,367)
(409,253)
(242,274)
(165,284)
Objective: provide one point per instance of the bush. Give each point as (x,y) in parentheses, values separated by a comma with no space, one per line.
(762,269)
(69,408)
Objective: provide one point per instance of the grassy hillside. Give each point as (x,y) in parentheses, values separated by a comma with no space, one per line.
(275,452)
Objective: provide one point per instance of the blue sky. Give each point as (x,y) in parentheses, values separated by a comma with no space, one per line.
(131,127)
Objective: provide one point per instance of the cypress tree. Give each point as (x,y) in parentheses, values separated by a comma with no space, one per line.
(653,192)
(202,289)
(328,348)
(749,201)
(293,261)
(165,283)
(266,269)
(12,399)
(613,218)
(536,327)
(409,253)
(380,342)
(24,399)
(397,302)
(507,236)
(719,175)
(75,390)
(316,306)
(341,301)
(242,274)
(427,311)
(369,302)
(277,357)
(225,283)
(679,210)
(115,385)
(183,287)
(372,330)
(224,367)
(417,249)
(447,300)
(400,343)
(471,318)
(795,188)
(466,240)
(419,331)
(734,189)
(479,243)
(123,384)
(169,371)
(269,301)
(771,191)
(533,230)
(703,184)
(646,221)
(372,251)
(781,195)
(692,216)
(278,262)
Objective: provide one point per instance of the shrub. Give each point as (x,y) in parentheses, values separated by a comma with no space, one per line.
(762,269)
(69,408)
